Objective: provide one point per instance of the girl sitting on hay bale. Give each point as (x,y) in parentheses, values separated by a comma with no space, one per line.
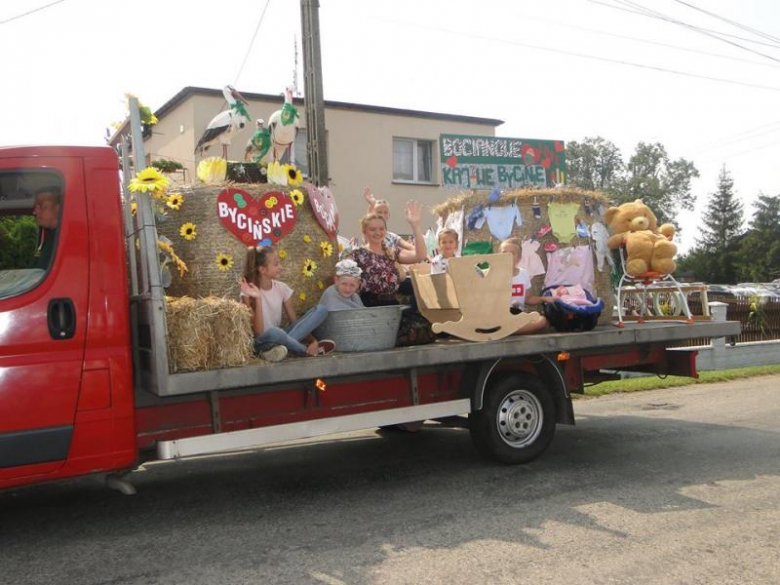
(266,296)
(521,284)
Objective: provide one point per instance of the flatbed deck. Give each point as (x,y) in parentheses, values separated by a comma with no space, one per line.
(445,351)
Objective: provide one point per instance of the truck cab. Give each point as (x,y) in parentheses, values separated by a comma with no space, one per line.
(66,402)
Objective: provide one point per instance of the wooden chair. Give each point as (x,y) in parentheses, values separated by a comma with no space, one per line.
(467,301)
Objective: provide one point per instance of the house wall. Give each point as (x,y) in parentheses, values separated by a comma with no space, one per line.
(360,152)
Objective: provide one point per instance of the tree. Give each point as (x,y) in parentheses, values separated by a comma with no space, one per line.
(759,257)
(721,232)
(593,164)
(664,185)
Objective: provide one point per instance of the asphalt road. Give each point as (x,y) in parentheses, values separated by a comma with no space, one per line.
(667,487)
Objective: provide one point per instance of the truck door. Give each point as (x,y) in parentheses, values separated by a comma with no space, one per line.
(44,272)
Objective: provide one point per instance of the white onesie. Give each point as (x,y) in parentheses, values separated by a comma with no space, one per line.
(600,235)
(500,220)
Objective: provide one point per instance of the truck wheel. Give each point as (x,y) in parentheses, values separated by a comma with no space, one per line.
(517,420)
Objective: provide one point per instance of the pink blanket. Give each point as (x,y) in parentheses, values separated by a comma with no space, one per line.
(574,295)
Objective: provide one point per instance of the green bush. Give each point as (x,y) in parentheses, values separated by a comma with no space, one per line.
(18,239)
(167,166)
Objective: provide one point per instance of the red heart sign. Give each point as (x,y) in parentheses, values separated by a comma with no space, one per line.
(253,221)
(323,204)
(452,162)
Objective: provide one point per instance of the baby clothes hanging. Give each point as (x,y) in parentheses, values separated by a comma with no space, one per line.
(562,219)
(500,220)
(600,236)
(529,259)
(570,266)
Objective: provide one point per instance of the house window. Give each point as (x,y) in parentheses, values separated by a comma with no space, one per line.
(412,160)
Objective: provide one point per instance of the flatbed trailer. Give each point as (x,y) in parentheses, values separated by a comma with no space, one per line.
(86,387)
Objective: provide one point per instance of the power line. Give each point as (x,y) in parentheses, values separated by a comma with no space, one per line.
(252,42)
(694,28)
(33,11)
(731,22)
(649,42)
(584,56)
(643,13)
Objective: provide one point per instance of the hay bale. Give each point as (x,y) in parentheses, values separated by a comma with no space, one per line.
(207,333)
(524,198)
(204,277)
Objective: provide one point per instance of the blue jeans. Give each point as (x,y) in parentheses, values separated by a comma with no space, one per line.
(292,336)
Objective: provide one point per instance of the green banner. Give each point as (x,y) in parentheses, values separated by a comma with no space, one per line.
(485,162)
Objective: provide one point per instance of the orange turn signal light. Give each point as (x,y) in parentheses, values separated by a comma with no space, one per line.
(321,385)
(563,356)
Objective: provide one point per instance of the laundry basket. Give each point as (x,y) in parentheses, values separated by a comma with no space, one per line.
(368,329)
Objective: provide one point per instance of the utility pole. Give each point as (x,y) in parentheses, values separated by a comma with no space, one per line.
(316,148)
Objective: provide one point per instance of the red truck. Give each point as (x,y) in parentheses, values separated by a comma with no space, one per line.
(84,380)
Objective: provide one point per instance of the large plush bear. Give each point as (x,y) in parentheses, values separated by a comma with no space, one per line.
(648,247)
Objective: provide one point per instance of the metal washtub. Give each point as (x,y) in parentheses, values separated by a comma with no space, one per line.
(368,329)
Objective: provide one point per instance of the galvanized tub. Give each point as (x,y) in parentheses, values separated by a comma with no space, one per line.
(368,329)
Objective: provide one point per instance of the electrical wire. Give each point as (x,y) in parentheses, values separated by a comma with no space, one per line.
(252,42)
(655,43)
(18,16)
(694,28)
(583,55)
(642,13)
(731,22)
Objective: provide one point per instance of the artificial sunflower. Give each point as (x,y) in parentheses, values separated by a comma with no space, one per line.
(320,284)
(307,239)
(134,207)
(168,249)
(294,176)
(187,231)
(149,179)
(297,197)
(326,248)
(175,201)
(282,254)
(309,266)
(212,170)
(271,201)
(276,174)
(224,262)
(302,296)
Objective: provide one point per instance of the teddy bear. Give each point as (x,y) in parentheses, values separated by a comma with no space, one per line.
(648,247)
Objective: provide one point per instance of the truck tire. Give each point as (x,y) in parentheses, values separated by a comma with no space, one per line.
(517,420)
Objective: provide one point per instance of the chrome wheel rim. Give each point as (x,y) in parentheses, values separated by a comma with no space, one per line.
(519,419)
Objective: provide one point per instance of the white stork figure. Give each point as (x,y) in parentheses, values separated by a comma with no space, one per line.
(283,126)
(225,125)
(259,144)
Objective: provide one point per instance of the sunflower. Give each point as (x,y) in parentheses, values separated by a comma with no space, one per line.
(175,201)
(327,249)
(307,239)
(297,196)
(134,207)
(271,201)
(309,266)
(294,176)
(224,262)
(168,249)
(187,231)
(320,284)
(149,179)
(302,296)
(282,254)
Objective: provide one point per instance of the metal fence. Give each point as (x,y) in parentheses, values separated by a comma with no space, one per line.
(760,321)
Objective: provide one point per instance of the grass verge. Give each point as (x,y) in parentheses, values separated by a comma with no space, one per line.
(655,383)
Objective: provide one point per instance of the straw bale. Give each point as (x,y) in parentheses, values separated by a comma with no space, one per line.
(207,333)
(205,279)
(524,198)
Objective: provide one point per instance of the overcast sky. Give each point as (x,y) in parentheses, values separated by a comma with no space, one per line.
(556,69)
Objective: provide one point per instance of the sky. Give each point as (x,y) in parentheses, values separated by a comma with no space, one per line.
(557,69)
